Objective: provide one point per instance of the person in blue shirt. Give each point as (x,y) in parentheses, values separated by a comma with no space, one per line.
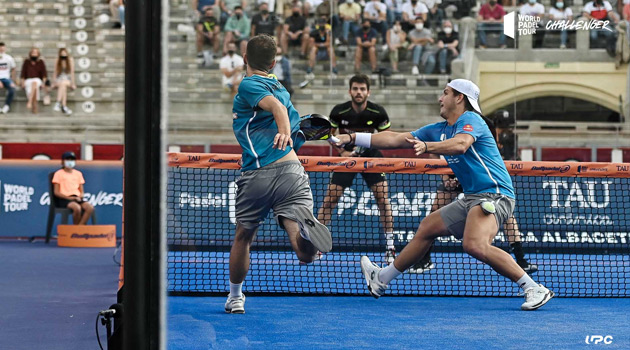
(470,150)
(267,127)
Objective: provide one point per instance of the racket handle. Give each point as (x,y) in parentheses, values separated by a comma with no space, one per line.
(333,139)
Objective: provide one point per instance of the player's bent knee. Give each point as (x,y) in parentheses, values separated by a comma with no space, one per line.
(475,249)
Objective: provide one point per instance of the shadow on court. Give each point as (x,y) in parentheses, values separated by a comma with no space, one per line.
(395,323)
(50,296)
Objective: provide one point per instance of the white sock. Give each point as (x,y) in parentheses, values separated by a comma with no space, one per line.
(388,274)
(389,237)
(236,289)
(526,282)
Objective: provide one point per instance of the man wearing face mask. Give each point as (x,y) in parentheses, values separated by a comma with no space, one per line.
(366,46)
(421,46)
(321,48)
(602,11)
(231,66)
(68,188)
(350,13)
(295,32)
(396,41)
(412,12)
(448,40)
(490,18)
(264,22)
(237,30)
(376,12)
(532,8)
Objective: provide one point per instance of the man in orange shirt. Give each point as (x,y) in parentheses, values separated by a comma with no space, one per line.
(68,188)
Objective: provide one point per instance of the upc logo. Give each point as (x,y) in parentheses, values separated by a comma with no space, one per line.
(599,339)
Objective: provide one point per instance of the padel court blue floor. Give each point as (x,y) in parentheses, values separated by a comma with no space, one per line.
(396,323)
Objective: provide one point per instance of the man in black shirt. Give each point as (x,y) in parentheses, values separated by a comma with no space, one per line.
(264,22)
(208,32)
(360,115)
(448,40)
(295,32)
(321,47)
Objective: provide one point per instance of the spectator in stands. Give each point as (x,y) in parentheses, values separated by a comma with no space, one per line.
(231,66)
(310,6)
(114,7)
(63,80)
(237,29)
(412,12)
(435,15)
(282,70)
(321,47)
(535,9)
(7,77)
(228,8)
(264,22)
(603,11)
(350,13)
(366,46)
(295,32)
(422,41)
(271,5)
(394,11)
(68,188)
(289,5)
(557,12)
(208,32)
(200,6)
(448,41)
(626,10)
(33,77)
(490,18)
(396,43)
(376,12)
(121,13)
(325,9)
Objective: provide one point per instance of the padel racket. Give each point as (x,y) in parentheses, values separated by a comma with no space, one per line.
(317,127)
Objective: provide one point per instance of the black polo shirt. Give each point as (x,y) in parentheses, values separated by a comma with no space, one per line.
(372,119)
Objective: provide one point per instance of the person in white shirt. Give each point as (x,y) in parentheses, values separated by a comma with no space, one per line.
(557,12)
(232,67)
(533,8)
(376,12)
(602,11)
(412,12)
(7,77)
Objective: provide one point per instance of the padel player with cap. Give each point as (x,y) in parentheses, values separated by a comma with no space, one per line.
(267,127)
(360,115)
(473,156)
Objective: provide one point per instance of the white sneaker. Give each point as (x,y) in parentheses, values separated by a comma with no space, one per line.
(310,76)
(415,70)
(57,107)
(316,232)
(5,109)
(66,110)
(536,297)
(235,305)
(370,272)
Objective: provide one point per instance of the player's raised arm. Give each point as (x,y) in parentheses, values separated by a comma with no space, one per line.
(382,140)
(280,115)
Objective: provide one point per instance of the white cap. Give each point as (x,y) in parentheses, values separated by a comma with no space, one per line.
(469,89)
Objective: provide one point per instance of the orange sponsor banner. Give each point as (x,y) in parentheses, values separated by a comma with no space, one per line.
(405,165)
(86,236)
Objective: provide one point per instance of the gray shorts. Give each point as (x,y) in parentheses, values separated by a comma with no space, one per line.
(278,186)
(454,214)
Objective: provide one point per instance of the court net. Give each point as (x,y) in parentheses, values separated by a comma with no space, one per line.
(572,218)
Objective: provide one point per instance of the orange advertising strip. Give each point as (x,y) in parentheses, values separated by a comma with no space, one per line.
(86,236)
(405,165)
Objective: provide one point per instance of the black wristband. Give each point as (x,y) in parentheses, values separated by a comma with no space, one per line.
(353,138)
(426,148)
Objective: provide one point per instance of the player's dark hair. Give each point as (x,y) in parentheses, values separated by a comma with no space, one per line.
(1,43)
(261,51)
(469,107)
(360,79)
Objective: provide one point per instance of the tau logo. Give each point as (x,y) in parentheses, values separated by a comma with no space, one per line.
(516,166)
(410,164)
(598,339)
(623,168)
(303,161)
(194,158)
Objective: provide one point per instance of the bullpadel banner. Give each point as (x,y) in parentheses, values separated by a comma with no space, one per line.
(25,199)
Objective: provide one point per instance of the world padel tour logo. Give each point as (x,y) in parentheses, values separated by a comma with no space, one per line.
(527,25)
